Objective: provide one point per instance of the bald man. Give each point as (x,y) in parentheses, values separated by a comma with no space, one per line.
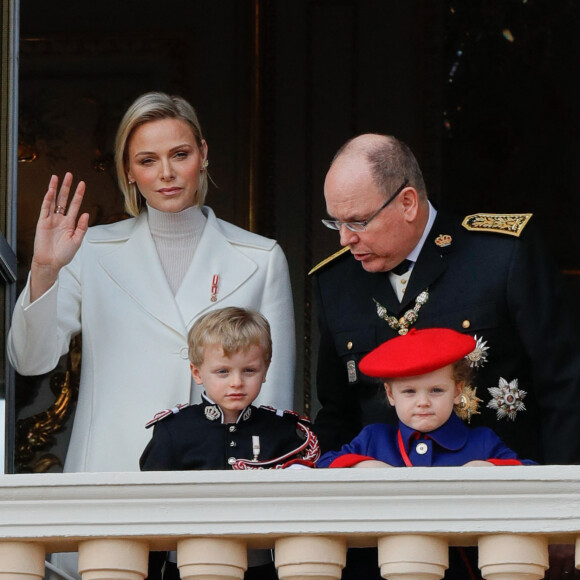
(405,265)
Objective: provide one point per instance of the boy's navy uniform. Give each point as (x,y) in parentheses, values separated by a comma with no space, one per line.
(196,438)
(502,288)
(451,444)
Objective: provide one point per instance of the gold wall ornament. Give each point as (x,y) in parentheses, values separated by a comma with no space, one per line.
(512,224)
(35,435)
(27,153)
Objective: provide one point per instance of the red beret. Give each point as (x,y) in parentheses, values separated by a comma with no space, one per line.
(417,353)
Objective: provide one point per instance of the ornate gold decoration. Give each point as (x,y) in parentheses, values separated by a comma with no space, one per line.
(410,317)
(468,404)
(443,240)
(329,259)
(512,224)
(36,434)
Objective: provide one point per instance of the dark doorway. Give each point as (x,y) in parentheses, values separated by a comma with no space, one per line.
(485,93)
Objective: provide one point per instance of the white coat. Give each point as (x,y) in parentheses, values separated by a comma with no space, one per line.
(134,331)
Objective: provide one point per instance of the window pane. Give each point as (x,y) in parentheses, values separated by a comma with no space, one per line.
(8,156)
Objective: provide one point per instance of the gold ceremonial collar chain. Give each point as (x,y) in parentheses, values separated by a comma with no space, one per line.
(401,325)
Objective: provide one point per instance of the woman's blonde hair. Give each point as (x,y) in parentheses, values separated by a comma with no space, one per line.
(152,107)
(234,329)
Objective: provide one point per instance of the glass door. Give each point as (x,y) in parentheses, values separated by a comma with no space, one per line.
(8,160)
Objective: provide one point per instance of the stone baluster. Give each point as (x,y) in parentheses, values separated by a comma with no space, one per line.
(211,559)
(416,557)
(22,560)
(312,557)
(113,559)
(512,556)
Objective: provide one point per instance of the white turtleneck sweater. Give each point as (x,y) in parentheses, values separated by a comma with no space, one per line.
(176,237)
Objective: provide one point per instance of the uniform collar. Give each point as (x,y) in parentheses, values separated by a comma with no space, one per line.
(430,221)
(452,435)
(213,412)
(432,260)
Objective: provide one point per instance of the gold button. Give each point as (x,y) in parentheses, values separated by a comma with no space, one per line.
(349,345)
(466,324)
(404,281)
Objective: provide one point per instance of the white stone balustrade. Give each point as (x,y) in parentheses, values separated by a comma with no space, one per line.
(309,516)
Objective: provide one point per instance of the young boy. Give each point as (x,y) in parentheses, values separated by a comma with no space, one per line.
(424,373)
(229,352)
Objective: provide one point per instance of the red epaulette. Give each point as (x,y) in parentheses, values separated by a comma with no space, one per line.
(165,413)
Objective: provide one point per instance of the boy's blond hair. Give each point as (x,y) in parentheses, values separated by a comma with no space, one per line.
(234,329)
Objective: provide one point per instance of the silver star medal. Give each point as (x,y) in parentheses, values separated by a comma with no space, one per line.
(507,399)
(478,356)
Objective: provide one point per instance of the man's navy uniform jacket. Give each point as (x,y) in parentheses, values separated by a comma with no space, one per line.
(503,289)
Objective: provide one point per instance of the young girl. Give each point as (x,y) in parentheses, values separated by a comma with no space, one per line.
(424,374)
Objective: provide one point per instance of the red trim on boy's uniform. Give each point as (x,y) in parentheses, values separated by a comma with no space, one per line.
(308,452)
(165,413)
(350,460)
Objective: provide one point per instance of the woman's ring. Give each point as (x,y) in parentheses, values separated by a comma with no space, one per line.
(59,209)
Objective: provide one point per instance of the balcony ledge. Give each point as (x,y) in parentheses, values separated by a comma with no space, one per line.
(457,502)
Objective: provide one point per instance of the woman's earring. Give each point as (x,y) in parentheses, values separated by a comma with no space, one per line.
(129,181)
(205,164)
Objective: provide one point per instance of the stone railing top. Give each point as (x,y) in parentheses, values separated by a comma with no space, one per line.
(362,503)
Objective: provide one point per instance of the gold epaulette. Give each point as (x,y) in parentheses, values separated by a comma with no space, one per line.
(512,224)
(329,259)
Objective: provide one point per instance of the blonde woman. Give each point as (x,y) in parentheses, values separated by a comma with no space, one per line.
(135,288)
